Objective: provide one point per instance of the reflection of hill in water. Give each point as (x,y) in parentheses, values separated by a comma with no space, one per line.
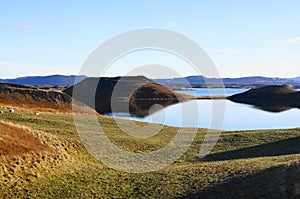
(132,94)
(273,109)
(270,98)
(144,99)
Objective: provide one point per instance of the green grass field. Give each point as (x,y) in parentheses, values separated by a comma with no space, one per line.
(243,164)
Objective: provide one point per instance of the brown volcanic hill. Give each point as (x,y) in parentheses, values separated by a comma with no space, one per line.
(133,94)
(34,98)
(270,98)
(147,95)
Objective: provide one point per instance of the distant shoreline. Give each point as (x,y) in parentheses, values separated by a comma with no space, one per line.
(175,88)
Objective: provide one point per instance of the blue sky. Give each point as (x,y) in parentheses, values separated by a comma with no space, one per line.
(243,38)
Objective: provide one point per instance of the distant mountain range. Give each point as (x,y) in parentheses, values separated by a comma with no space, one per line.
(194,81)
(53,80)
(296,79)
(201,81)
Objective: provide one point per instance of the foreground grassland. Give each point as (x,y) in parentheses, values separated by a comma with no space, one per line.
(243,164)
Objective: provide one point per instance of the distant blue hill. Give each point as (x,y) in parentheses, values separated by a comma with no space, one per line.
(53,80)
(297,79)
(194,81)
(199,81)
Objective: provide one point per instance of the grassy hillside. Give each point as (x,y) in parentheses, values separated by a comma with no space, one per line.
(66,170)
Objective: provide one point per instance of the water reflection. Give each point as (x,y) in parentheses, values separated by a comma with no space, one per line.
(274,109)
(238,116)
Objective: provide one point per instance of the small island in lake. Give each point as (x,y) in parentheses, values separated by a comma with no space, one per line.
(270,98)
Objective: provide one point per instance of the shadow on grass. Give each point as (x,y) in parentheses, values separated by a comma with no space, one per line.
(283,147)
(275,182)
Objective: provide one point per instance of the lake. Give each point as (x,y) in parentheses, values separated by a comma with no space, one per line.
(208,114)
(212,92)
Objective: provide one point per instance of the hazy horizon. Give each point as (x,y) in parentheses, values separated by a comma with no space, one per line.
(140,75)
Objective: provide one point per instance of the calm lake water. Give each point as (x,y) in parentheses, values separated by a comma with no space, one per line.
(213,92)
(208,114)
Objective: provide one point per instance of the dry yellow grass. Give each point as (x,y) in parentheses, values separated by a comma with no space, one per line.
(15,140)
